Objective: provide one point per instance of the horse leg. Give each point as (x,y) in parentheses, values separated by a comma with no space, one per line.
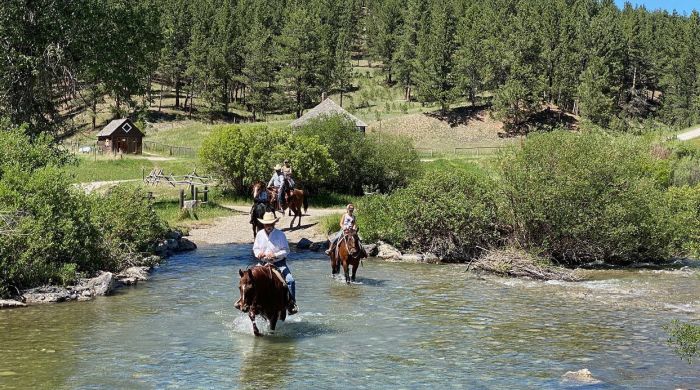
(346,271)
(298,211)
(273,321)
(334,264)
(292,223)
(255,326)
(354,271)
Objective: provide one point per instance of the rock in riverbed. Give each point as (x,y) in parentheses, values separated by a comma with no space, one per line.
(304,243)
(9,304)
(412,257)
(46,294)
(371,249)
(387,252)
(581,376)
(102,284)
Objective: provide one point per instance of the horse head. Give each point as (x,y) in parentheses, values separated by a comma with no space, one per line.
(247,289)
(353,243)
(257,187)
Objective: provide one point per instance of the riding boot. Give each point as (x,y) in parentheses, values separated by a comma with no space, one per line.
(330,249)
(292,307)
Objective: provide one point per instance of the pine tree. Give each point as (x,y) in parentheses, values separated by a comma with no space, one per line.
(436,47)
(260,67)
(404,60)
(299,57)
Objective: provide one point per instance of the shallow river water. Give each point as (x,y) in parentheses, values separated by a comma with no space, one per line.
(401,326)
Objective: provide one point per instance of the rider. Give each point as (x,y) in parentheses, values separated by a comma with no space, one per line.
(287,172)
(347,224)
(260,199)
(271,247)
(277,181)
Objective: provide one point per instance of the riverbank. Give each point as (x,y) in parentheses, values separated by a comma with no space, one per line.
(104,283)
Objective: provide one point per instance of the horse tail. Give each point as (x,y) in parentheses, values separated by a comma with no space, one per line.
(306,201)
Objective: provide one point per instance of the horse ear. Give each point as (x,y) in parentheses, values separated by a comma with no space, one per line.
(240,272)
(250,273)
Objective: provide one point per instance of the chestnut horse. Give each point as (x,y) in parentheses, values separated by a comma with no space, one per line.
(262,293)
(296,200)
(348,251)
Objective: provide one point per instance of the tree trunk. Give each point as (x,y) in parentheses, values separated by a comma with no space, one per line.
(177,91)
(341,97)
(226,93)
(160,102)
(94,111)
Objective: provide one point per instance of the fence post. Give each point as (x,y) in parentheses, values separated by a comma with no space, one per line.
(206,194)
(196,192)
(182,198)
(192,191)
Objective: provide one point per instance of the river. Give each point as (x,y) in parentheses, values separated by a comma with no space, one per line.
(402,326)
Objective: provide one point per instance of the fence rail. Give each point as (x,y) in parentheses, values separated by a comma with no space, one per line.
(168,149)
(469,151)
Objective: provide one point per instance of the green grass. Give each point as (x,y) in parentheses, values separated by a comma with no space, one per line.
(170,211)
(329,224)
(126,168)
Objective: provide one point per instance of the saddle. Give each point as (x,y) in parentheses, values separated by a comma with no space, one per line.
(275,271)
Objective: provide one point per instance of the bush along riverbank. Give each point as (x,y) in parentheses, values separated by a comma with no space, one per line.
(574,199)
(52,234)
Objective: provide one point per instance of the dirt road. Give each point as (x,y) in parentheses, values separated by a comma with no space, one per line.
(237,229)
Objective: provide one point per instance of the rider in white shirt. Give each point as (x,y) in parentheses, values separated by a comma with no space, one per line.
(271,246)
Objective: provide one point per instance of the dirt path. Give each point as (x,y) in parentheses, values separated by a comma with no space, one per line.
(96,185)
(237,230)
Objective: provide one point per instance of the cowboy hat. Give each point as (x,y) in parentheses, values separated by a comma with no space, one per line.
(268,219)
(278,167)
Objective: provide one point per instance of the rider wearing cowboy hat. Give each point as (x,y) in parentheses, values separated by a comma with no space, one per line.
(271,246)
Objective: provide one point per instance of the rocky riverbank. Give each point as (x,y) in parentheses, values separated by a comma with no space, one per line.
(104,283)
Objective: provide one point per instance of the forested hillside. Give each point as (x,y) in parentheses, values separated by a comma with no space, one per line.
(614,67)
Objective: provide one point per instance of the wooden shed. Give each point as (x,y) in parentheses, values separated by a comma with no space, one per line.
(328,107)
(120,136)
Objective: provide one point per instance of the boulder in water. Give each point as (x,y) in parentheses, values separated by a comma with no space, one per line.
(304,243)
(431,258)
(412,257)
(9,304)
(46,294)
(184,245)
(387,252)
(371,249)
(102,284)
(581,376)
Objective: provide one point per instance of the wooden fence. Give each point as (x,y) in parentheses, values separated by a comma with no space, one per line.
(466,151)
(170,150)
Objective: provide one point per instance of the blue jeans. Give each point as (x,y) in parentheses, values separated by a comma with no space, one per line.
(280,196)
(291,284)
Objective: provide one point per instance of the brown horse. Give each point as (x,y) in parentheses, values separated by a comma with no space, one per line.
(295,200)
(262,293)
(348,251)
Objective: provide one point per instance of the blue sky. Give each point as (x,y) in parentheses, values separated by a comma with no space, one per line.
(682,6)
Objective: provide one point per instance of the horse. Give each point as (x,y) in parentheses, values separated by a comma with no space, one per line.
(348,251)
(262,293)
(295,201)
(259,209)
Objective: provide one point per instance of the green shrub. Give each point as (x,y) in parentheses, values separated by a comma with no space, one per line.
(683,213)
(685,338)
(450,215)
(243,155)
(384,163)
(124,214)
(50,232)
(587,196)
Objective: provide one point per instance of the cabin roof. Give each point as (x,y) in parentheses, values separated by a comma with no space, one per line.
(327,107)
(117,124)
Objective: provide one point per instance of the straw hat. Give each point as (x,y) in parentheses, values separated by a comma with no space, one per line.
(278,167)
(268,219)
